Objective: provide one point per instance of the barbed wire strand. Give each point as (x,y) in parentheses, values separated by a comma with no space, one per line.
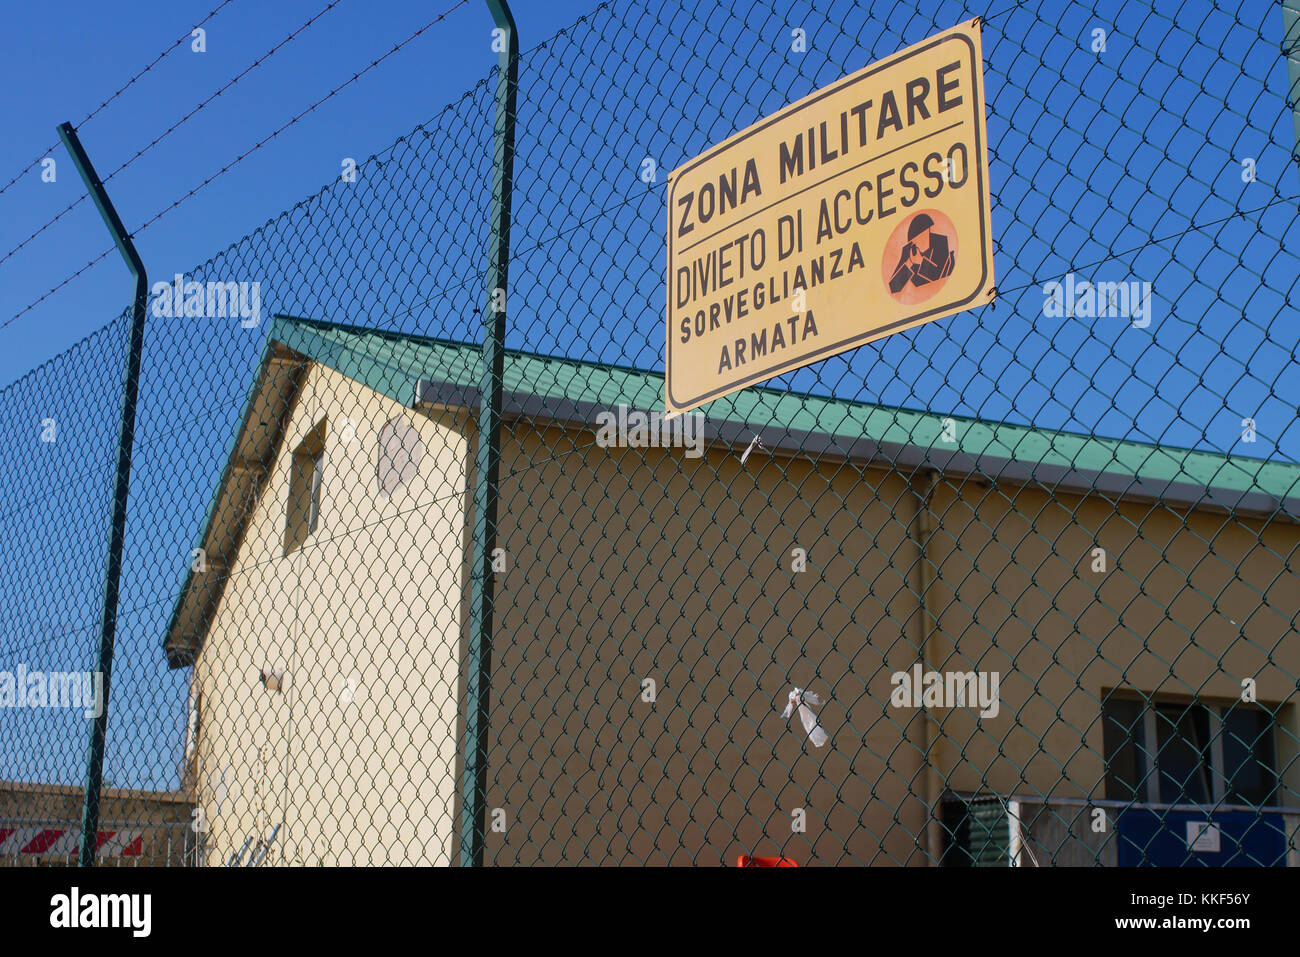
(97,110)
(238,159)
(175,126)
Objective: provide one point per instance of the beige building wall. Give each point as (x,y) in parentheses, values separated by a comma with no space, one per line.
(640,564)
(630,564)
(355,756)
(1015,593)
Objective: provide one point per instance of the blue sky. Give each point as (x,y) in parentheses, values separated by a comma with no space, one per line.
(68,57)
(1118,165)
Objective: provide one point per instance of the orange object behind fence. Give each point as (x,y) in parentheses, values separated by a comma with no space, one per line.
(746,861)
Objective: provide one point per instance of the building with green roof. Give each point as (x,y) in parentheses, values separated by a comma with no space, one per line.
(655,608)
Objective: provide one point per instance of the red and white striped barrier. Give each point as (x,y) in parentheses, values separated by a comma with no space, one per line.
(38,841)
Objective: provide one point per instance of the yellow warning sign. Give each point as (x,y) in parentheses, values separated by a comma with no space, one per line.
(857,212)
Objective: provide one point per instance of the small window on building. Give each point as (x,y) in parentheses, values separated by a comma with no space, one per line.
(1181,752)
(313,507)
(195,726)
(302,515)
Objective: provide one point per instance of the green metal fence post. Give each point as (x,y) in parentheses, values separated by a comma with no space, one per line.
(487,459)
(1291,50)
(117,531)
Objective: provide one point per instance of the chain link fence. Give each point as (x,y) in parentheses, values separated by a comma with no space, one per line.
(1011,588)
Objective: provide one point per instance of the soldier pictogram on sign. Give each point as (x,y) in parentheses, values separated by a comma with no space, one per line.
(920,256)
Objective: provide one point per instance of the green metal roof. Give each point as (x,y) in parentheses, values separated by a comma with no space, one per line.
(395,363)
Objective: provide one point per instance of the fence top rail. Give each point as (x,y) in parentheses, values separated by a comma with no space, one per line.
(75,825)
(75,790)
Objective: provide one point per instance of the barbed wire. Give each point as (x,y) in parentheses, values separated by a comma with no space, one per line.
(122,89)
(240,158)
(175,126)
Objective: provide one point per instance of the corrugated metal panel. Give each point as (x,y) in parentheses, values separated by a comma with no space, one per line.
(990,833)
(979,833)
